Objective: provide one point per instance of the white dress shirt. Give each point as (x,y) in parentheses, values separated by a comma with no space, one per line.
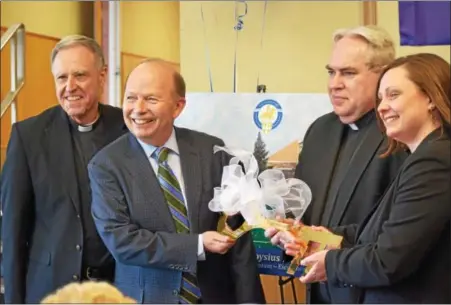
(174,164)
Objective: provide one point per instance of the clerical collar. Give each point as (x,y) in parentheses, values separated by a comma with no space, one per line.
(86,127)
(353,126)
(364,120)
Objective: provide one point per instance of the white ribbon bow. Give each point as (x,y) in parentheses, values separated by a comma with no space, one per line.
(255,195)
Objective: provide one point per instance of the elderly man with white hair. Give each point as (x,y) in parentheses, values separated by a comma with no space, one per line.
(49,237)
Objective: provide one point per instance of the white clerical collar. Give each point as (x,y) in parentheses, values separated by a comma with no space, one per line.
(84,128)
(87,127)
(353,126)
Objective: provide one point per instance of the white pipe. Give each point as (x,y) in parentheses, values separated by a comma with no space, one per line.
(114,54)
(118,53)
(13,47)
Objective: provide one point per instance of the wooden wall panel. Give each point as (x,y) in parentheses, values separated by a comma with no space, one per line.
(2,156)
(98,22)
(128,62)
(38,92)
(272,291)
(4,88)
(101,32)
(5,132)
(369,12)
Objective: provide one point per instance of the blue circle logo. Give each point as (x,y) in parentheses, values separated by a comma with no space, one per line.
(268,115)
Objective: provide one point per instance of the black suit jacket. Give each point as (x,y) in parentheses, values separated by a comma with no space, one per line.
(39,194)
(134,221)
(403,249)
(363,185)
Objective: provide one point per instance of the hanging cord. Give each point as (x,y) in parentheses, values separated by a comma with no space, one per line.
(207,51)
(261,44)
(238,27)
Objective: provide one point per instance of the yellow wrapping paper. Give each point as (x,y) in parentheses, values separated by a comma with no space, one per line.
(310,240)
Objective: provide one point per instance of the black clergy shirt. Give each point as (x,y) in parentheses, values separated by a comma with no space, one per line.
(351,140)
(87,140)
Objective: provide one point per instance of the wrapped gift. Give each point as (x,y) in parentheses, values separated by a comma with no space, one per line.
(259,197)
(264,200)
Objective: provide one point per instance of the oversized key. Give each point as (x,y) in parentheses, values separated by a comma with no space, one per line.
(304,235)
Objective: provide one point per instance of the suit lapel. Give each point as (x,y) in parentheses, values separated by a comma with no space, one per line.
(364,154)
(192,176)
(57,143)
(332,141)
(147,182)
(59,149)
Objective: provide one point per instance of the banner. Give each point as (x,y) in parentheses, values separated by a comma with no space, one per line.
(272,126)
(280,120)
(270,258)
(424,23)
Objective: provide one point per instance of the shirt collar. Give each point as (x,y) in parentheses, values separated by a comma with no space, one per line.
(171,143)
(363,121)
(87,127)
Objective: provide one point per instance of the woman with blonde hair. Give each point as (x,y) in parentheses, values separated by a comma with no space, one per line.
(89,292)
(401,253)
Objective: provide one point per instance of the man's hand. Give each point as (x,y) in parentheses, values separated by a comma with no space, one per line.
(292,247)
(215,242)
(279,238)
(317,273)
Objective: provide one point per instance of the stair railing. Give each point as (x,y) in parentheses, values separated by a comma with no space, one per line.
(15,34)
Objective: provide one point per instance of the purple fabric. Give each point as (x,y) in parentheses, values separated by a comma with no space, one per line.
(424,22)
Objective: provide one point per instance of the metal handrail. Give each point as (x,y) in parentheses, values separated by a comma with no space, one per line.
(16,35)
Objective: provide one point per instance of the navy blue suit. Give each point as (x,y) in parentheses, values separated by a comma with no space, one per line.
(134,220)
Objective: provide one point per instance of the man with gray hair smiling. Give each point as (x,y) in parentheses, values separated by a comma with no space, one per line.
(340,156)
(49,238)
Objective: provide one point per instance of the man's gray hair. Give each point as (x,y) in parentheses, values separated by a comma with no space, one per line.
(79,40)
(381,46)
